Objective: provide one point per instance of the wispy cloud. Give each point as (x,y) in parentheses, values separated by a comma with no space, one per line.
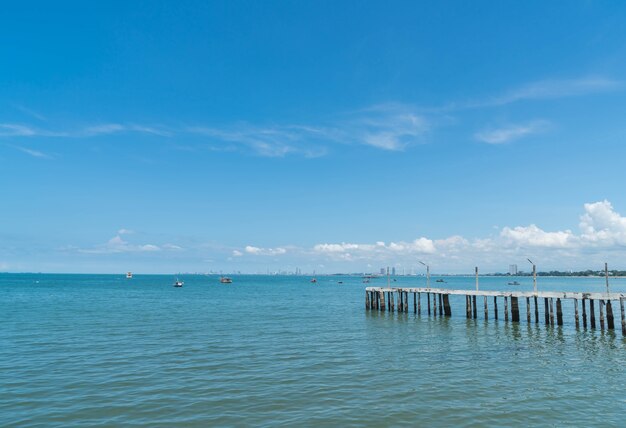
(539,90)
(33,153)
(117,244)
(264,251)
(510,133)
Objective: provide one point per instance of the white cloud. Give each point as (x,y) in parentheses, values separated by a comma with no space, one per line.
(125,232)
(16,130)
(237,253)
(535,237)
(265,251)
(510,133)
(601,225)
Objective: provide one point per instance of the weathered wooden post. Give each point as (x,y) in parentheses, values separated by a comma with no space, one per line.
(440,304)
(400,301)
(486,308)
(621,306)
(514,309)
(415,302)
(382,301)
(468,306)
(392,300)
(367,299)
(536,311)
(428,303)
(576,313)
(584,312)
(419,303)
(406,301)
(446,305)
(506,308)
(528,310)
(551,311)
(559,312)
(592,315)
(609,316)
(474,306)
(547,314)
(601,310)
(435,304)
(495,307)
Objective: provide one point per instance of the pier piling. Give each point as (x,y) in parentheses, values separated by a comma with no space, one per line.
(486,309)
(506,308)
(610,321)
(536,310)
(621,306)
(601,310)
(592,315)
(547,311)
(474,306)
(514,309)
(528,310)
(495,307)
(584,313)
(446,305)
(559,312)
(576,313)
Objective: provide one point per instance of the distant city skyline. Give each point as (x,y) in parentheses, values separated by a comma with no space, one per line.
(323,137)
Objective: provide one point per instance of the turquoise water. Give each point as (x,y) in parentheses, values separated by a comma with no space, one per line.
(103,350)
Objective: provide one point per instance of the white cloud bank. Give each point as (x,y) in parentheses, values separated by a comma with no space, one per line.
(118,245)
(510,133)
(602,230)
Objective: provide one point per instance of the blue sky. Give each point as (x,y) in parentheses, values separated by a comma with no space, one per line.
(329,136)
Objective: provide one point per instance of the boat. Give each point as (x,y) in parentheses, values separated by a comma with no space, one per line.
(514,283)
(440,280)
(129,275)
(340,282)
(226,280)
(313,280)
(178,283)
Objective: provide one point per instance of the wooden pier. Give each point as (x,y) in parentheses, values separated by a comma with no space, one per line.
(384,299)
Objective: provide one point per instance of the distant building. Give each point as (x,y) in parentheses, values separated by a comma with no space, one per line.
(512,269)
(393,271)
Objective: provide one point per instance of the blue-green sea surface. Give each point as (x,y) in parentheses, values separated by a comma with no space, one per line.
(102,350)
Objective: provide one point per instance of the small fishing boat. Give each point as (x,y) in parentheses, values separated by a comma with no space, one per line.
(226,280)
(514,283)
(178,283)
(313,280)
(129,275)
(440,280)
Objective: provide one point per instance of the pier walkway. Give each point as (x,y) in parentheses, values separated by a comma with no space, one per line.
(396,298)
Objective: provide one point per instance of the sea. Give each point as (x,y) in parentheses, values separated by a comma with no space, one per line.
(103,350)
